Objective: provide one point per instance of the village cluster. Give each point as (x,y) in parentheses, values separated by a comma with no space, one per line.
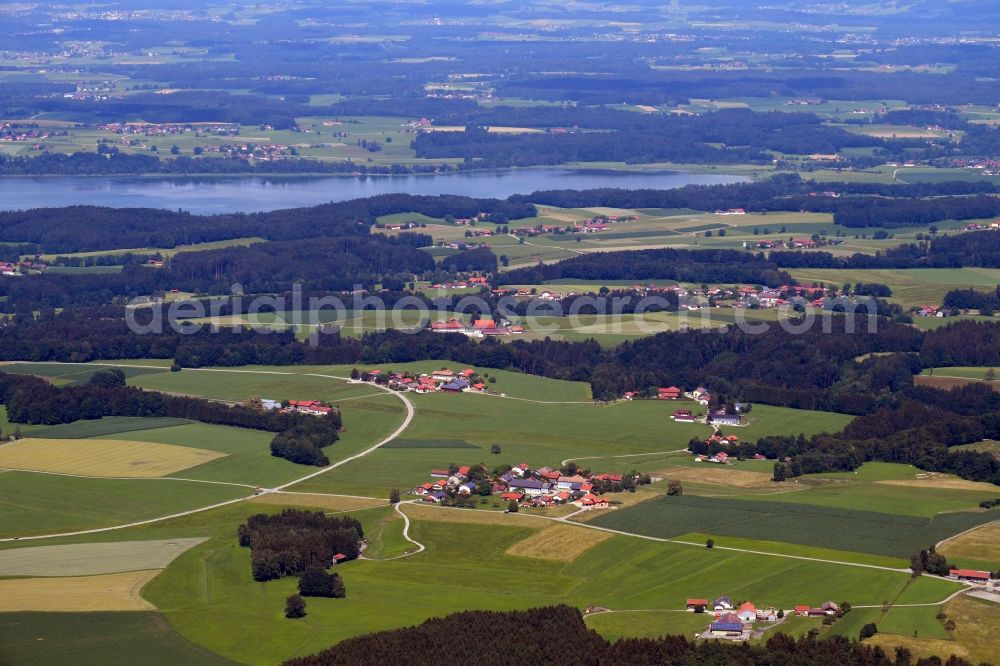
(444,380)
(14,269)
(478,329)
(593,225)
(736,621)
(522,486)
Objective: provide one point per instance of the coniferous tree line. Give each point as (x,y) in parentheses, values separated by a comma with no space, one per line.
(293,541)
(557,635)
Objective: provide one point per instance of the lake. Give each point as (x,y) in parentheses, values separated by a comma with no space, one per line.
(256,193)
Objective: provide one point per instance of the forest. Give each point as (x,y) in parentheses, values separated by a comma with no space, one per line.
(557,635)
(92,228)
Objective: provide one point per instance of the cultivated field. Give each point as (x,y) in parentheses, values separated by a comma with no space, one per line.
(799,523)
(982,543)
(562,543)
(87,559)
(108,592)
(102,457)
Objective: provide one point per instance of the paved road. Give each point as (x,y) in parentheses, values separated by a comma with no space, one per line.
(396,433)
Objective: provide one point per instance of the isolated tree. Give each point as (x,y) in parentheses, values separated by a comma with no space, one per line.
(709,543)
(394,496)
(254,403)
(990,375)
(674,487)
(779,472)
(495,449)
(868,631)
(512,507)
(355,373)
(295,607)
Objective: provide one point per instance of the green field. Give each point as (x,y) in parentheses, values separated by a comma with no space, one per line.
(799,523)
(69,373)
(212,581)
(68,639)
(42,503)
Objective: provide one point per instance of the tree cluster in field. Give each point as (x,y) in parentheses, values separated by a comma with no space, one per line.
(557,635)
(929,561)
(295,541)
(299,438)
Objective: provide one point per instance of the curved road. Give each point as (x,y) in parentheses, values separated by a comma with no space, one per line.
(396,433)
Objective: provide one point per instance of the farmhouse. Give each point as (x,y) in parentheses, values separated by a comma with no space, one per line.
(593,502)
(747,612)
(450,326)
(971,575)
(801,609)
(314,407)
(728,625)
(683,415)
(697,605)
(722,418)
(669,393)
(723,603)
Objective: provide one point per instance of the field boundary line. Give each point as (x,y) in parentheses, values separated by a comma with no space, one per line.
(127,478)
(626,455)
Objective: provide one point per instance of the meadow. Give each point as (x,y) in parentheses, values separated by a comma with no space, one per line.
(68,639)
(33,503)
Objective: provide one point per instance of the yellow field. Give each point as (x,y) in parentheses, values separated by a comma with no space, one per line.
(109,592)
(982,543)
(717,476)
(328,502)
(561,543)
(442,515)
(920,647)
(102,457)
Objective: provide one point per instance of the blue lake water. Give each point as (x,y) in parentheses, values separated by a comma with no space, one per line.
(255,193)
